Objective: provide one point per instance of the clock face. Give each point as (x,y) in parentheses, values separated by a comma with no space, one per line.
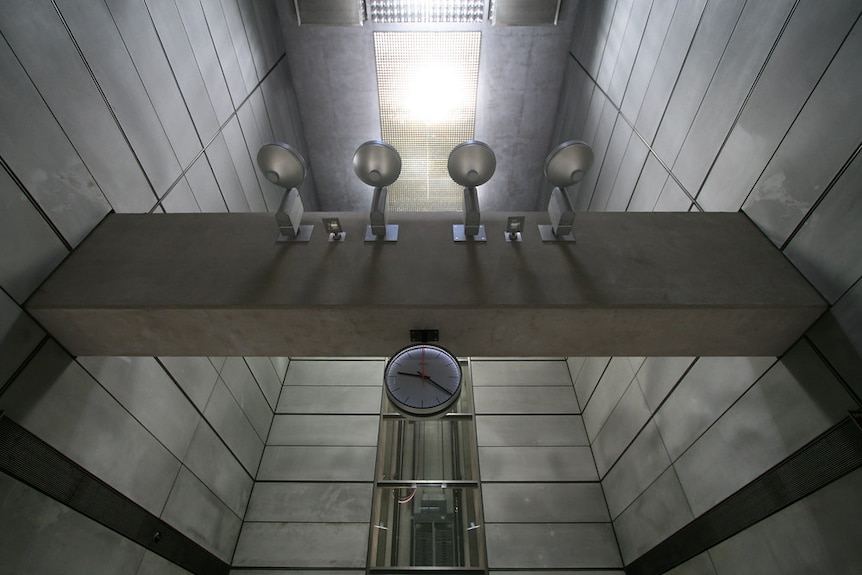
(423,380)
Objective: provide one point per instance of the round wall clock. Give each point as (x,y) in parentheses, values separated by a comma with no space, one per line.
(423,380)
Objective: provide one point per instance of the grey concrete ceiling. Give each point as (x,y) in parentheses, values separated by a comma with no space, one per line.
(520,78)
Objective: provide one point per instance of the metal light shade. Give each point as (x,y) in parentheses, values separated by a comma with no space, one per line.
(377,163)
(472,163)
(568,162)
(281,164)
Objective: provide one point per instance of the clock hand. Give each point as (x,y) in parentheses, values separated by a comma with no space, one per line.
(426,377)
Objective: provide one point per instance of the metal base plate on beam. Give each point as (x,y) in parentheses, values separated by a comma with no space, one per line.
(515,237)
(547,233)
(459,236)
(391,234)
(340,238)
(303,236)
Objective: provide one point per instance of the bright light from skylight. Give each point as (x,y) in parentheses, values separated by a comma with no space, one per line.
(426,10)
(427,83)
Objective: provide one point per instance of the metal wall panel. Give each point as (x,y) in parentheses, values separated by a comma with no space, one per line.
(197,512)
(650,184)
(269,381)
(40,535)
(271,193)
(530,430)
(338,373)
(749,46)
(310,502)
(195,375)
(672,198)
(283,463)
(795,177)
(610,165)
(180,199)
(648,52)
(519,373)
(144,389)
(45,49)
(711,386)
(604,132)
(838,336)
(247,393)
(537,464)
(332,545)
(268,33)
(108,59)
(56,177)
(544,503)
(153,564)
(261,115)
(591,31)
(530,545)
(641,464)
(691,86)
(29,248)
(674,50)
(816,535)
(792,72)
(589,377)
(56,400)
(224,47)
(658,375)
(237,34)
(629,50)
(211,461)
(792,403)
(203,184)
(827,247)
(230,423)
(697,565)
(20,336)
(324,430)
(609,390)
(655,514)
(329,399)
(624,423)
(627,179)
(515,400)
(245,168)
(173,37)
(613,44)
(252,33)
(225,174)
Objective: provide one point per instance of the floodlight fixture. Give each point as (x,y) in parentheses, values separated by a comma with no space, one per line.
(471,164)
(378,164)
(565,166)
(333,227)
(284,166)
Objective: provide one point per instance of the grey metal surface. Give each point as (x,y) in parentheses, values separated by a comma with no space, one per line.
(630,46)
(20,336)
(211,462)
(330,399)
(544,503)
(336,373)
(609,390)
(795,177)
(791,404)
(44,48)
(56,400)
(589,376)
(621,10)
(241,157)
(827,247)
(698,565)
(195,375)
(816,534)
(657,513)
(673,198)
(711,386)
(180,200)
(153,564)
(203,184)
(293,502)
(629,175)
(838,336)
(302,545)
(244,387)
(56,177)
(530,430)
(649,186)
(227,419)
(238,36)
(318,463)
(520,13)
(141,386)
(623,424)
(198,513)
(225,174)
(324,430)
(504,373)
(551,546)
(610,165)
(741,63)
(267,378)
(644,460)
(792,72)
(224,47)
(515,400)
(330,12)
(658,375)
(537,464)
(67,542)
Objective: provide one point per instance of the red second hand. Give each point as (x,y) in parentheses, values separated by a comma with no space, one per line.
(423,363)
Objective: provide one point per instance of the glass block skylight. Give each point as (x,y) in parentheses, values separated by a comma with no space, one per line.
(427,84)
(405,11)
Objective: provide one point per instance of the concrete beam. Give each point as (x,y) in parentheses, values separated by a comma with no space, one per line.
(640,284)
